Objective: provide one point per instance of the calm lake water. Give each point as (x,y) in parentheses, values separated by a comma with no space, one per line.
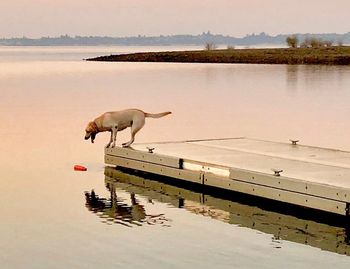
(47,96)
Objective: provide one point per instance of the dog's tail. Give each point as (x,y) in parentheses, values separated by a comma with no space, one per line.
(157,115)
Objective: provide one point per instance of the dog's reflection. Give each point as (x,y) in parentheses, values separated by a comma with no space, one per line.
(117,210)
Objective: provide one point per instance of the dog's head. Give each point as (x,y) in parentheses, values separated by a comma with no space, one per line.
(91,131)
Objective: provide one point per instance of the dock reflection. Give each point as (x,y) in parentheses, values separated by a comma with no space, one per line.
(115,210)
(325,236)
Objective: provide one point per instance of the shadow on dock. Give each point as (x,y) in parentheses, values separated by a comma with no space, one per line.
(296,224)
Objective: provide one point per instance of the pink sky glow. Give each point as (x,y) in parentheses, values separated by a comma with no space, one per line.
(35,18)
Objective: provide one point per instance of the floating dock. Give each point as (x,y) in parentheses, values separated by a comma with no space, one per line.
(312,177)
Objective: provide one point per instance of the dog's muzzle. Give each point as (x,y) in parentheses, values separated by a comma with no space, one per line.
(93,136)
(90,135)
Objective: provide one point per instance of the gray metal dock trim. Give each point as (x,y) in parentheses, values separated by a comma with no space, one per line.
(328,205)
(311,184)
(285,183)
(192,176)
(212,180)
(144,156)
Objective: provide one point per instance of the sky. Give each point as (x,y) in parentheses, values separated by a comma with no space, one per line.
(36,18)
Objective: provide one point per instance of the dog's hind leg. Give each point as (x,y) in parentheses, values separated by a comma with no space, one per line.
(114,135)
(136,126)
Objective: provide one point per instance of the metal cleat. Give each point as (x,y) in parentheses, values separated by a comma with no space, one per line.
(277,172)
(294,142)
(150,150)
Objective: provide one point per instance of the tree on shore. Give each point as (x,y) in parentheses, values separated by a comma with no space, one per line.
(316,43)
(292,41)
(209,46)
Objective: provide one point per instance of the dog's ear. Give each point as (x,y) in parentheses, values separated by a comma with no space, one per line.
(92,126)
(89,127)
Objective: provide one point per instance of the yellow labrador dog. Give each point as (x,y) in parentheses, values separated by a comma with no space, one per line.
(118,121)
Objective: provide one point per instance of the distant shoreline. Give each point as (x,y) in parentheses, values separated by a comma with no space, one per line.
(172,40)
(322,56)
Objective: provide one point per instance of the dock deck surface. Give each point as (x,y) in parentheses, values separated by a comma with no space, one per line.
(313,177)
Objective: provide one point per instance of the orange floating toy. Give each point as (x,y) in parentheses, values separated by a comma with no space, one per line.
(79,168)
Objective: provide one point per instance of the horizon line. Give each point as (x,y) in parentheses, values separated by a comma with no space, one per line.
(172,35)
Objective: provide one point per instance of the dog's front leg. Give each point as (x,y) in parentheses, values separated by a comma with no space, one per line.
(114,135)
(110,140)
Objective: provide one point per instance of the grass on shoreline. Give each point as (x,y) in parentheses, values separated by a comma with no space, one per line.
(324,56)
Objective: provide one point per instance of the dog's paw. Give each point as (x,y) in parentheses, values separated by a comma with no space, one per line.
(126,145)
